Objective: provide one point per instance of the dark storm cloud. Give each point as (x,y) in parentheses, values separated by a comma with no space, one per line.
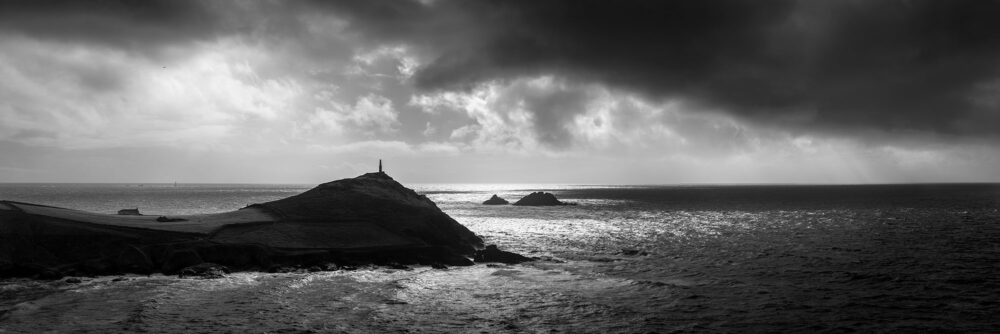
(553,106)
(889,66)
(132,24)
(892,66)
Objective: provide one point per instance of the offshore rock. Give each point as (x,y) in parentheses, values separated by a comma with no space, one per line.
(370,219)
(496,200)
(540,199)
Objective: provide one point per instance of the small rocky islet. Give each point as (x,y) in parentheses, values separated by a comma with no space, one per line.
(538,198)
(496,200)
(344,224)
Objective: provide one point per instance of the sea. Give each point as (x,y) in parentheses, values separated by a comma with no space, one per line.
(907,258)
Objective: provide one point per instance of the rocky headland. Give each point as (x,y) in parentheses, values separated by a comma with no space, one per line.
(540,199)
(496,200)
(370,219)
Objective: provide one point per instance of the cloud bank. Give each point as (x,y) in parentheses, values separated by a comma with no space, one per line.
(928,66)
(680,91)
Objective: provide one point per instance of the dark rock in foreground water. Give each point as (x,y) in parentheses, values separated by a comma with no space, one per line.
(496,200)
(204,270)
(633,252)
(494,254)
(540,199)
(371,219)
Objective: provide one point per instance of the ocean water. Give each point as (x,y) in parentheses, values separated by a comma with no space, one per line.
(728,259)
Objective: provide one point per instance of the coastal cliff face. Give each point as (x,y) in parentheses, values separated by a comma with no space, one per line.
(368,219)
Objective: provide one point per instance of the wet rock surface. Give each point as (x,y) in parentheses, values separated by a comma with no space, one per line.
(493,254)
(204,270)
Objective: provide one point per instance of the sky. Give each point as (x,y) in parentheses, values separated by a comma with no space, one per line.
(458,91)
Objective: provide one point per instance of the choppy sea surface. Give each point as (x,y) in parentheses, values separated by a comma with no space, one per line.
(732,259)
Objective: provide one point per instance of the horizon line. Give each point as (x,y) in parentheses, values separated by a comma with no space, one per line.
(535,183)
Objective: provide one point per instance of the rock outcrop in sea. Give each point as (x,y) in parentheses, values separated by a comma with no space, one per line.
(540,199)
(496,200)
(371,219)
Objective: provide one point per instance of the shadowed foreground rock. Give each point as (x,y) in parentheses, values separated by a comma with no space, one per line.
(540,199)
(371,219)
(496,200)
